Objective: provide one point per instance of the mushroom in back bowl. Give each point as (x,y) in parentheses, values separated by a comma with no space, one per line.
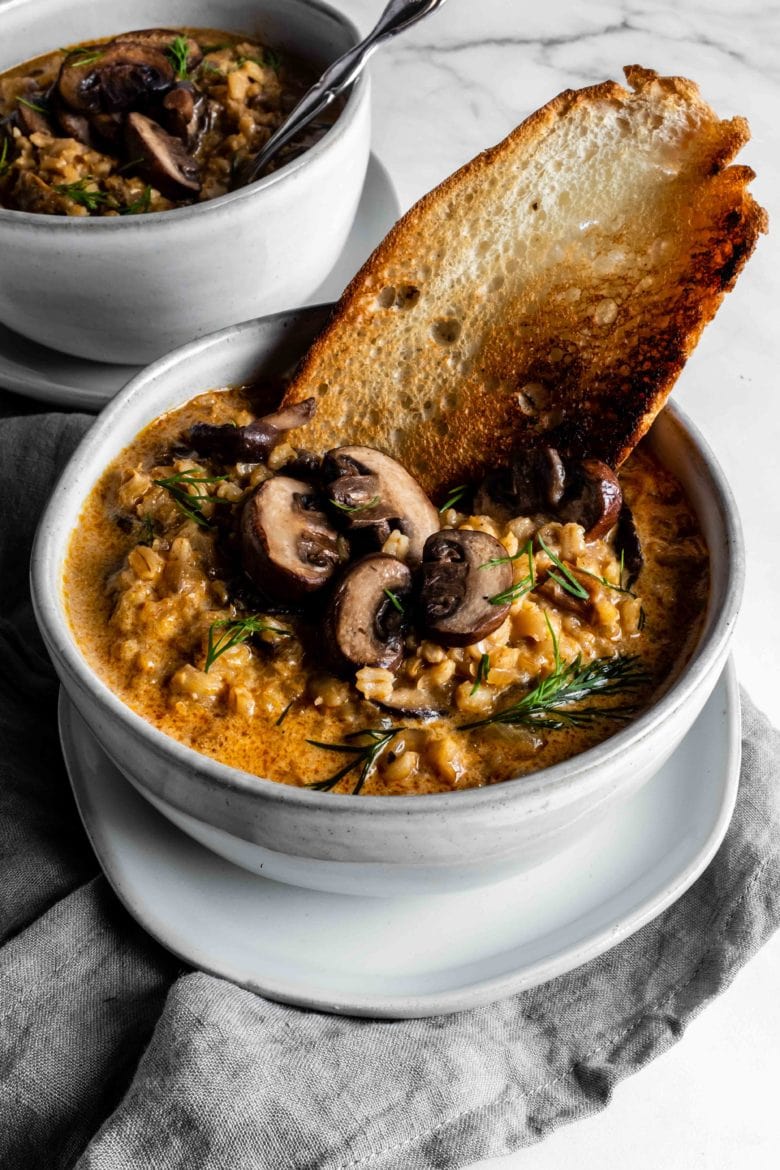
(139,610)
(97,141)
(146,121)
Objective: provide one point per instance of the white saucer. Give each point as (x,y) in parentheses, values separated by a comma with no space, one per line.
(414,956)
(39,372)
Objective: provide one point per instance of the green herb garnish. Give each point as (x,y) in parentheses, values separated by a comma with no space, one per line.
(4,160)
(482,673)
(230,632)
(455,496)
(352,508)
(190,505)
(548,704)
(85,196)
(567,580)
(394,600)
(521,587)
(83,57)
(210,67)
(139,205)
(178,53)
(31,105)
(285,713)
(365,755)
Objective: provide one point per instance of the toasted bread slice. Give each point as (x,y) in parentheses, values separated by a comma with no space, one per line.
(549,291)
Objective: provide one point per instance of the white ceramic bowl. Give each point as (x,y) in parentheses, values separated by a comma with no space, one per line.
(128,289)
(367,844)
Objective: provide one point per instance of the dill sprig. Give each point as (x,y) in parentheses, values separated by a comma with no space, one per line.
(455,497)
(84,57)
(350,509)
(178,53)
(621,588)
(139,205)
(80,193)
(565,578)
(548,704)
(285,713)
(521,587)
(365,755)
(31,105)
(482,673)
(394,600)
(191,505)
(230,632)
(5,162)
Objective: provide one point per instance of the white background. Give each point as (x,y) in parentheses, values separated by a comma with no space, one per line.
(443,92)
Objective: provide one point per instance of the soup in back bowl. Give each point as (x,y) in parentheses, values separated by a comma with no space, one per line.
(127,287)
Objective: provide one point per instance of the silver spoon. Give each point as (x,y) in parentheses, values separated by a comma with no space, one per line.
(397,16)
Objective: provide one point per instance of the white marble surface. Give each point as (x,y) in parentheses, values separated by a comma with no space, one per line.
(443,92)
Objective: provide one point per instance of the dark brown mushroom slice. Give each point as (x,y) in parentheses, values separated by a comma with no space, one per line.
(73,125)
(305,465)
(462,571)
(183,113)
(402,503)
(366,614)
(111,128)
(162,39)
(628,545)
(161,158)
(115,77)
(254,442)
(533,482)
(32,114)
(289,547)
(593,497)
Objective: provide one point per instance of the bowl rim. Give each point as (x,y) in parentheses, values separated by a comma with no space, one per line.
(554,782)
(356,96)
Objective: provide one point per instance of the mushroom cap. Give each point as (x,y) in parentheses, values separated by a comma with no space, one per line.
(593,498)
(254,442)
(401,499)
(163,38)
(124,72)
(162,158)
(363,626)
(533,482)
(458,584)
(289,547)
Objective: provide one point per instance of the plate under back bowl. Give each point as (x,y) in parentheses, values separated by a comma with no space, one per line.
(384,846)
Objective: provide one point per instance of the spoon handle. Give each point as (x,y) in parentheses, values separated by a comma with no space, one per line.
(397,16)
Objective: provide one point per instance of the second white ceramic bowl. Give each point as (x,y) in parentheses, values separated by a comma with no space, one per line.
(127,289)
(368,844)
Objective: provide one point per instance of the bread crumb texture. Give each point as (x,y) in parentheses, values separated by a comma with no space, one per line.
(549,291)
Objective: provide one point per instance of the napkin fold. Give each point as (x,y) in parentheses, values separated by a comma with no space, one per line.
(115,1057)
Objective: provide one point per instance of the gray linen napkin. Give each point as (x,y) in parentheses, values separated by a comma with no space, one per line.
(114,1057)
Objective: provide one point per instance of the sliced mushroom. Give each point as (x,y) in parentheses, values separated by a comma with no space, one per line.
(163,38)
(533,482)
(115,77)
(628,545)
(73,125)
(305,465)
(110,127)
(593,497)
(365,615)
(289,547)
(254,442)
(402,503)
(459,578)
(183,113)
(162,158)
(32,116)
